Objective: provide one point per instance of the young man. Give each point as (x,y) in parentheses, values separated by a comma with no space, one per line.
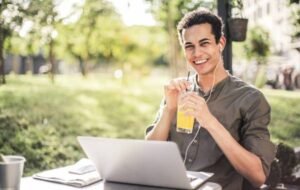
(233,141)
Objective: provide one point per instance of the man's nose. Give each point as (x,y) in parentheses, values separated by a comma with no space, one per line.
(198,51)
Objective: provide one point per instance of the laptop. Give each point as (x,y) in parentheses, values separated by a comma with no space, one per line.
(141,162)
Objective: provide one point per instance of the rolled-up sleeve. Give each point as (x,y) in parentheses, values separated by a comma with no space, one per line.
(157,118)
(255,133)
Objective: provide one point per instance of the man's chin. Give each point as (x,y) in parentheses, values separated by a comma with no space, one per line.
(203,71)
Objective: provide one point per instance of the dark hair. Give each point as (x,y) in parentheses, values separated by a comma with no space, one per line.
(201,16)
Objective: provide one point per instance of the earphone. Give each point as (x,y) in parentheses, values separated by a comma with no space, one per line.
(188,147)
(221,48)
(199,126)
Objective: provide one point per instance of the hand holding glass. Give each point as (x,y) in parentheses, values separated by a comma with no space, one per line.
(185,123)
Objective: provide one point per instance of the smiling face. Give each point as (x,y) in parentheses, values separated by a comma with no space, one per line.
(201,50)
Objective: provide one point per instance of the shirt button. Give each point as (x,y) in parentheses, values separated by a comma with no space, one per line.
(190,160)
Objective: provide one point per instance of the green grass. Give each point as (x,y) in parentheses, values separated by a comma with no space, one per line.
(46,118)
(285,123)
(41,120)
(73,104)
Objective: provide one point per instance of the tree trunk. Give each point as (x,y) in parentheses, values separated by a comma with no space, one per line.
(173,58)
(82,66)
(260,76)
(51,60)
(2,71)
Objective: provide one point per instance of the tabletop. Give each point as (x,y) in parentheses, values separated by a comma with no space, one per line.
(28,183)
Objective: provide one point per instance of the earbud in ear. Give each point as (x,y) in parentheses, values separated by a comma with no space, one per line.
(221,48)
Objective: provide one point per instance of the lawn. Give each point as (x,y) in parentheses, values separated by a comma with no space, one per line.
(41,120)
(285,123)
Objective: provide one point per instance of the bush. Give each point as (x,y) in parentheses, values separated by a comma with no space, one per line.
(41,121)
(41,146)
(287,162)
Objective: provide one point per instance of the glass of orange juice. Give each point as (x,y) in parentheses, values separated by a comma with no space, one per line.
(185,123)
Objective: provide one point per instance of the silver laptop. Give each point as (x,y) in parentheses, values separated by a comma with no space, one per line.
(152,163)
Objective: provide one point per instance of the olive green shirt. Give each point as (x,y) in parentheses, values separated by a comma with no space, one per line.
(245,113)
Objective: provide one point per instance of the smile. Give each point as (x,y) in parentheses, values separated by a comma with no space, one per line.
(202,61)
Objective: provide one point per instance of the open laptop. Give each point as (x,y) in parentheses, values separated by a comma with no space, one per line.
(152,163)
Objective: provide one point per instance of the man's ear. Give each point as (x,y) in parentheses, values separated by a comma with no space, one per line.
(222,43)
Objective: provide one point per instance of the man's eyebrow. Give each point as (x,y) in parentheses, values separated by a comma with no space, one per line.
(200,41)
(188,43)
(203,40)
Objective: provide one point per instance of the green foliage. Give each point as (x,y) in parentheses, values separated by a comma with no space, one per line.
(95,32)
(172,11)
(97,37)
(275,174)
(285,116)
(287,160)
(237,3)
(143,48)
(41,121)
(40,145)
(257,45)
(295,18)
(237,6)
(11,18)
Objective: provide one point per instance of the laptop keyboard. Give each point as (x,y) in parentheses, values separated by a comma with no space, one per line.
(191,178)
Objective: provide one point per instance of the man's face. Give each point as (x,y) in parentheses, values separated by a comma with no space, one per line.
(200,48)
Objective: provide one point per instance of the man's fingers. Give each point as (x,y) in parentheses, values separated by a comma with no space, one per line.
(178,84)
(193,97)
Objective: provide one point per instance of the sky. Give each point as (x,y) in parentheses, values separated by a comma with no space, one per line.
(134,12)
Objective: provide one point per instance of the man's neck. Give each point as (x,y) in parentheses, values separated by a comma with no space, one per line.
(206,81)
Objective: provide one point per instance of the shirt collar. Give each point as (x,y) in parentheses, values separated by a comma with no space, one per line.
(215,90)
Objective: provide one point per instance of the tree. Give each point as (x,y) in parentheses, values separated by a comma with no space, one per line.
(93,34)
(100,37)
(139,48)
(257,47)
(45,17)
(169,13)
(11,18)
(295,7)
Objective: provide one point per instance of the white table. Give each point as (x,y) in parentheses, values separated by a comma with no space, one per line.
(28,183)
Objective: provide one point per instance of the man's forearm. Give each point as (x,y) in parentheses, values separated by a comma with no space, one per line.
(246,163)
(161,129)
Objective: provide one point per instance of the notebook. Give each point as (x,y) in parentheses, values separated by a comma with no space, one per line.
(81,174)
(152,163)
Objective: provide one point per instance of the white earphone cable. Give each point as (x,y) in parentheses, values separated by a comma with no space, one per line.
(199,126)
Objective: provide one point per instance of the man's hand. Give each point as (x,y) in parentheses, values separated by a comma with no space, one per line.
(161,129)
(172,91)
(194,105)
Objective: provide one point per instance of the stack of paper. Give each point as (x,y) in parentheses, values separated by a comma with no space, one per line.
(80,174)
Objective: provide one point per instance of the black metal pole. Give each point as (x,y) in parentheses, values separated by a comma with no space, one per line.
(224,11)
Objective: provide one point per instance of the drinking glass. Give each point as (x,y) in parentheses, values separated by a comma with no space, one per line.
(185,123)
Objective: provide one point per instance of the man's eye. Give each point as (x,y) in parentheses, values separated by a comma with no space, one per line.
(188,47)
(204,44)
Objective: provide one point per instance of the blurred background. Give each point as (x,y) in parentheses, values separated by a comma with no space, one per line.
(97,67)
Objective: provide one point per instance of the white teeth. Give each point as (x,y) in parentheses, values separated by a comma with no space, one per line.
(200,61)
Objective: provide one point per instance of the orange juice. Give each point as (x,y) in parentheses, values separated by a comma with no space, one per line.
(184,123)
